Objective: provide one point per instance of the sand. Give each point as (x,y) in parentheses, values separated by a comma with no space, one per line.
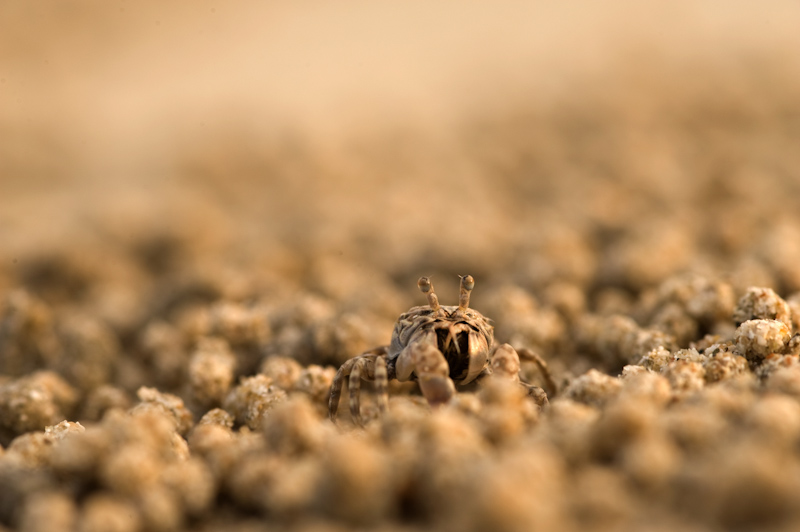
(205,210)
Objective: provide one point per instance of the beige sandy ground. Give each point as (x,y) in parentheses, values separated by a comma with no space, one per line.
(206,209)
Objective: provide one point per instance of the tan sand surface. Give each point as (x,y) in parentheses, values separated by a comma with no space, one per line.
(206,208)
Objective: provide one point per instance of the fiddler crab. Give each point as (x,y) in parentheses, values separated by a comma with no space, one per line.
(439,347)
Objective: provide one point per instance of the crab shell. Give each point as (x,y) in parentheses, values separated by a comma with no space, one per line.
(463,336)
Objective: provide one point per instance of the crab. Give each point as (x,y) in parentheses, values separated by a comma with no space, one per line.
(439,347)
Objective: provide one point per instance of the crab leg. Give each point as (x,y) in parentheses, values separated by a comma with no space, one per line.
(505,363)
(369,366)
(550,384)
(534,392)
(336,386)
(354,383)
(381,384)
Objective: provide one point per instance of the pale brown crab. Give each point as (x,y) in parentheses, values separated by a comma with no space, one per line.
(439,347)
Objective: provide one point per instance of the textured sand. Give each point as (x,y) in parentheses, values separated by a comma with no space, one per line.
(206,209)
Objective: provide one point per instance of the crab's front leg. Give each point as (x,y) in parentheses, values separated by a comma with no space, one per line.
(369,366)
(433,374)
(505,364)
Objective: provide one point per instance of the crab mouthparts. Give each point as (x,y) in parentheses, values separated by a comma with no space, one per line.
(455,348)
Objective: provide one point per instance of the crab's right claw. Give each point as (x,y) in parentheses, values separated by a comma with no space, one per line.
(437,390)
(433,373)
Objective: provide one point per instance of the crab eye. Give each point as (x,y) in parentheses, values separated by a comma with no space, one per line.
(424,285)
(467,284)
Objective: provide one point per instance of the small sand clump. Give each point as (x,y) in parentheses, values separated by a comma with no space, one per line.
(721,363)
(758,338)
(211,370)
(101,513)
(685,376)
(251,401)
(48,511)
(27,334)
(31,403)
(764,304)
(619,340)
(151,400)
(593,388)
(283,371)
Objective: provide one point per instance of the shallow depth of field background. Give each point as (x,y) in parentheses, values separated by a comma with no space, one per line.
(406,140)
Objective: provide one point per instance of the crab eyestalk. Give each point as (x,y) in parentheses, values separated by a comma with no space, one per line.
(426,287)
(467,284)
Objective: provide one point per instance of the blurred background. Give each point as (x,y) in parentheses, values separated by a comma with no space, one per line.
(341,147)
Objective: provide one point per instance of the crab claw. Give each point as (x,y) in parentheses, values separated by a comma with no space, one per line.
(433,374)
(436,389)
